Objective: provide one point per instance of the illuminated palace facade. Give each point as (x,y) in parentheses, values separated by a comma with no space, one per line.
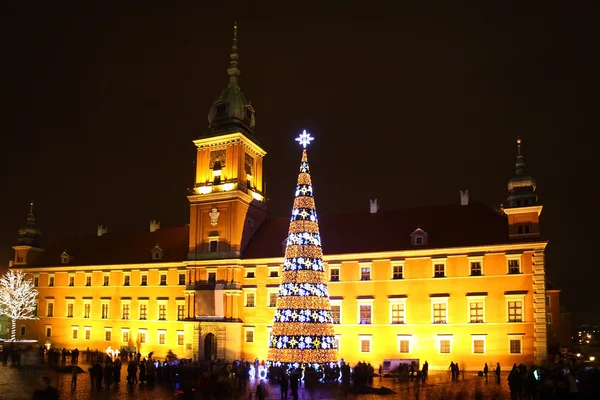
(459,283)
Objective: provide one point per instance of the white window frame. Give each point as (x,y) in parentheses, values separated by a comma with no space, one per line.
(248,270)
(104,302)
(408,338)
(479,337)
(182,335)
(518,337)
(104,276)
(184,273)
(161,332)
(139,309)
(127,274)
(515,297)
(84,302)
(74,329)
(180,302)
(160,276)
(53,277)
(142,274)
(475,259)
(248,329)
(360,340)
(46,327)
(362,265)
(108,329)
(143,331)
(48,302)
(124,302)
(86,276)
(439,343)
(364,302)
(123,331)
(440,300)
(439,261)
(519,258)
(69,302)
(246,291)
(87,329)
(337,268)
(395,264)
(69,276)
(271,291)
(338,302)
(397,301)
(476,299)
(159,303)
(274,269)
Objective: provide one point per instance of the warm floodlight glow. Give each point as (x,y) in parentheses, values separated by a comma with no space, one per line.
(304,139)
(204,189)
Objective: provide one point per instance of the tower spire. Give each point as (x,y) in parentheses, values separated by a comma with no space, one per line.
(233,70)
(31,216)
(520,164)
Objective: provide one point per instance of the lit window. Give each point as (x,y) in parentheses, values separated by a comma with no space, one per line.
(334,274)
(249,335)
(104,311)
(403,345)
(162,337)
(88,333)
(439,271)
(445,346)
(365,314)
(439,313)
(365,273)
(515,311)
(125,311)
(272,299)
(107,334)
(397,312)
(143,311)
(476,312)
(71,281)
(515,346)
(163,279)
(397,271)
(180,338)
(181,279)
(365,344)
(143,337)
(88,280)
(70,307)
(180,312)
(126,280)
(514,267)
(125,335)
(336,313)
(74,331)
(250,299)
(87,310)
(478,344)
(105,280)
(476,268)
(162,312)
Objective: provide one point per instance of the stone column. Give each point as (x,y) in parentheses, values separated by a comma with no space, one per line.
(540,340)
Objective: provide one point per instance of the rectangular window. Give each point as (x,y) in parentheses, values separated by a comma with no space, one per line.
(213,245)
(514,267)
(126,280)
(181,312)
(180,338)
(338,339)
(249,336)
(397,272)
(212,277)
(515,346)
(36,281)
(272,299)
(404,346)
(249,299)
(88,280)
(365,344)
(515,311)
(444,346)
(144,280)
(397,313)
(250,274)
(107,335)
(50,311)
(75,331)
(71,281)
(70,307)
(106,280)
(439,313)
(88,333)
(181,279)
(439,271)
(125,336)
(162,337)
(547,301)
(143,337)
(274,273)
(476,312)
(478,346)
(162,312)
(336,313)
(125,311)
(476,268)
(334,274)
(87,310)
(365,275)
(23,330)
(48,331)
(104,311)
(163,280)
(365,314)
(143,311)
(50,281)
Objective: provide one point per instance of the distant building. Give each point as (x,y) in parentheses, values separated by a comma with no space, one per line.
(449,283)
(558,320)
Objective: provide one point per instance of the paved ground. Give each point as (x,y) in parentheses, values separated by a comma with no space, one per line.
(15,385)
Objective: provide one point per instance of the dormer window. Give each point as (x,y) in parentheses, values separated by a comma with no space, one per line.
(157,253)
(419,237)
(65,258)
(221,109)
(248,113)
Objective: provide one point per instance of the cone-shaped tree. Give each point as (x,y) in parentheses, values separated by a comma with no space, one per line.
(303,324)
(18,299)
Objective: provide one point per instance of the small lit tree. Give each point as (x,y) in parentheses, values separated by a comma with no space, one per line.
(17,298)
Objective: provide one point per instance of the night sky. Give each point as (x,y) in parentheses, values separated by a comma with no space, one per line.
(408,103)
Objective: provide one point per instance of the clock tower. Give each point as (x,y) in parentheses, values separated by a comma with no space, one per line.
(228,202)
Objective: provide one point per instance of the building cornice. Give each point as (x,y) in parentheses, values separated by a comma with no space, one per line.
(523,210)
(222,141)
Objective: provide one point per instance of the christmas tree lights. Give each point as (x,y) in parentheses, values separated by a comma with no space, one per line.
(302,330)
(18,299)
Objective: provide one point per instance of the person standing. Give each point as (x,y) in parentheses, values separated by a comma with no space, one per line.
(425,371)
(498,373)
(283,385)
(485,372)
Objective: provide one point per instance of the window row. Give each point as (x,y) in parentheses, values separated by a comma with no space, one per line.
(438,269)
(444,344)
(125,311)
(124,280)
(107,335)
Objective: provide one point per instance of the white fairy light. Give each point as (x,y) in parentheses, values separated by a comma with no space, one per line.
(18,299)
(304,139)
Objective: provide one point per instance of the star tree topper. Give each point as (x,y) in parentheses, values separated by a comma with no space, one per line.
(304,139)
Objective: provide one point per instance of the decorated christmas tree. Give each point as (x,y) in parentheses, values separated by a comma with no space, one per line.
(303,325)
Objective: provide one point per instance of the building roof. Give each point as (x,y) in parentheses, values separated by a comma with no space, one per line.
(389,230)
(361,232)
(119,248)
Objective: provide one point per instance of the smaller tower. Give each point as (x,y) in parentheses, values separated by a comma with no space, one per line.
(523,210)
(28,242)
